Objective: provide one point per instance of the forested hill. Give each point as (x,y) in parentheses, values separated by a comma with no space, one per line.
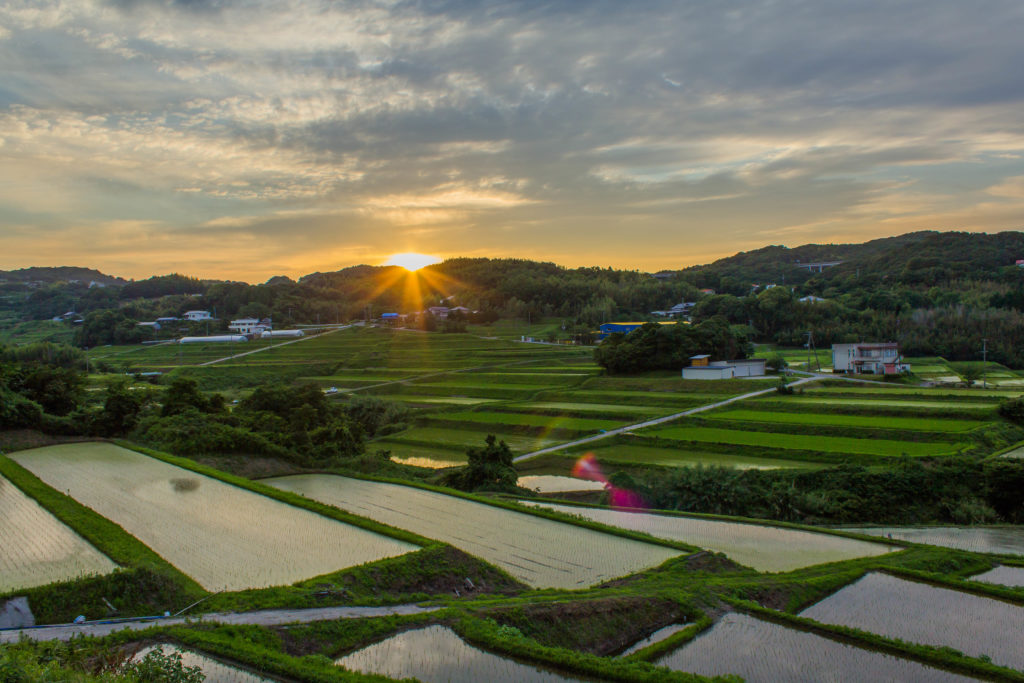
(49,275)
(926,257)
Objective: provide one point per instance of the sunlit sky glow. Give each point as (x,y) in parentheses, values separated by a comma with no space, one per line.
(248,139)
(411,261)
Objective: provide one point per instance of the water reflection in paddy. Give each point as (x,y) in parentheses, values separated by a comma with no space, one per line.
(998,540)
(1004,576)
(762,651)
(921,613)
(215,671)
(435,654)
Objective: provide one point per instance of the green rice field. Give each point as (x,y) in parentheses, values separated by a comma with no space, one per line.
(808,418)
(828,444)
(628,454)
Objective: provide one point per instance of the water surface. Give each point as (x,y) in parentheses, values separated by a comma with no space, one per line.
(36,548)
(223,536)
(764,652)
(764,548)
(435,654)
(1004,576)
(921,613)
(999,540)
(214,670)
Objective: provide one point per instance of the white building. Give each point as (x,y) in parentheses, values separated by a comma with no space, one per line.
(197,315)
(872,358)
(248,326)
(810,299)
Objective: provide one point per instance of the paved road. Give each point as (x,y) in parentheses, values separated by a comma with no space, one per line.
(656,421)
(274,346)
(269,617)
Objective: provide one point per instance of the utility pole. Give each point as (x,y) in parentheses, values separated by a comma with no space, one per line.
(984,362)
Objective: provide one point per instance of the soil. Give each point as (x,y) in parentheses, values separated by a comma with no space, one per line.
(601,627)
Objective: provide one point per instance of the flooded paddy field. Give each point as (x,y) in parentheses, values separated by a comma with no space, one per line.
(435,654)
(1003,576)
(764,652)
(975,539)
(36,548)
(764,548)
(223,536)
(656,637)
(920,613)
(553,483)
(540,552)
(214,670)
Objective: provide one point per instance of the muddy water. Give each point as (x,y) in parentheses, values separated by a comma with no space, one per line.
(437,655)
(761,651)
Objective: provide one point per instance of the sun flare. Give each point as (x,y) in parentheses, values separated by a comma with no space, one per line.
(411,261)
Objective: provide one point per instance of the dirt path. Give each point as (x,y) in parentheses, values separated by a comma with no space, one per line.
(656,421)
(269,617)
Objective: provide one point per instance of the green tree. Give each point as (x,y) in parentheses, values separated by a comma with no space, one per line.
(490,468)
(971,374)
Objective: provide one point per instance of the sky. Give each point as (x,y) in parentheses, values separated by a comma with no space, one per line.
(247,138)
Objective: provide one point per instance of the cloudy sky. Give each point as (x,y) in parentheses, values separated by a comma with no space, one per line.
(248,138)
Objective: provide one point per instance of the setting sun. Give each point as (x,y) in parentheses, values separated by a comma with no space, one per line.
(411,260)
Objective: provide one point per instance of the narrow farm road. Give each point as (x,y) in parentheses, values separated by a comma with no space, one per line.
(655,421)
(273,346)
(269,617)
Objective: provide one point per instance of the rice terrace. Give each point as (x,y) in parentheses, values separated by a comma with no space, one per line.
(500,494)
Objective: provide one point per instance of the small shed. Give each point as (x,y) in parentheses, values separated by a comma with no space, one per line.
(701,360)
(709,372)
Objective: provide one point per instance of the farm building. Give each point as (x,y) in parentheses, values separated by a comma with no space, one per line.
(217,338)
(197,315)
(700,368)
(871,358)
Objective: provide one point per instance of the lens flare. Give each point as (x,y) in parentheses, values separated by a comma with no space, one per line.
(588,468)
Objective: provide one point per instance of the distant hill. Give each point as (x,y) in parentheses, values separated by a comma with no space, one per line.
(60,274)
(914,258)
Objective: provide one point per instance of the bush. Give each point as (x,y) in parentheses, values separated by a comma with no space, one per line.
(1013,410)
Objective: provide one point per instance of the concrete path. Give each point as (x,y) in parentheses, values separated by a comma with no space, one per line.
(273,346)
(656,421)
(269,617)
